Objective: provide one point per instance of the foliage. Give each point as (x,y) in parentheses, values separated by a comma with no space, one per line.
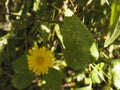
(83,34)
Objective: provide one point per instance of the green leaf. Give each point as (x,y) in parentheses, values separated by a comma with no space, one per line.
(80,46)
(115,70)
(96,74)
(53,80)
(20,65)
(3,42)
(95,78)
(45,30)
(114,28)
(59,35)
(21,81)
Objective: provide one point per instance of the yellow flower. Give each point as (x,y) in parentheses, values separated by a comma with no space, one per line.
(40,59)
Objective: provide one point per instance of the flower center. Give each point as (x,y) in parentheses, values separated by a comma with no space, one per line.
(40,60)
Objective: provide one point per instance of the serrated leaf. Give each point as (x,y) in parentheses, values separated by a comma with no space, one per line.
(114,28)
(53,80)
(80,46)
(114,35)
(21,81)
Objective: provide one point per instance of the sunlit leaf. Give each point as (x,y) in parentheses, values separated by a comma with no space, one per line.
(114,28)
(95,77)
(116,73)
(59,35)
(96,74)
(88,81)
(45,28)
(68,12)
(3,42)
(45,32)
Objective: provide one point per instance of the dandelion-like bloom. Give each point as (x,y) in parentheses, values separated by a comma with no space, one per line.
(40,59)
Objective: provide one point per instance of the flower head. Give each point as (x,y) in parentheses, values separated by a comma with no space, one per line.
(40,59)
